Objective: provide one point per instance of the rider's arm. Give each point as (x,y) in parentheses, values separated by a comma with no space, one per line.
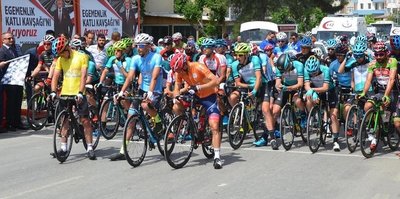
(342,66)
(103,75)
(222,75)
(37,69)
(84,68)
(228,72)
(278,84)
(128,80)
(368,82)
(52,68)
(258,80)
(178,84)
(392,79)
(353,85)
(300,81)
(324,88)
(154,77)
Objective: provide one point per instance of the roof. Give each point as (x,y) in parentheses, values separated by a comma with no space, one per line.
(177,16)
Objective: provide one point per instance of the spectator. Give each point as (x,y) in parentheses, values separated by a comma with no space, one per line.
(115,36)
(89,36)
(270,39)
(13,92)
(98,51)
(295,42)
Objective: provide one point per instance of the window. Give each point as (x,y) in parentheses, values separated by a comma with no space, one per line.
(361,6)
(376,6)
(369,6)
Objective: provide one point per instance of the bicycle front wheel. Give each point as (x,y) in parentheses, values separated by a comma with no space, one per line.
(109,119)
(135,140)
(179,142)
(62,137)
(393,137)
(314,127)
(369,133)
(37,111)
(287,127)
(236,130)
(351,128)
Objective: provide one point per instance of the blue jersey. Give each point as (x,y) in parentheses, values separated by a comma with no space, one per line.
(344,79)
(290,78)
(280,50)
(296,46)
(116,64)
(319,80)
(146,65)
(248,71)
(92,72)
(269,73)
(265,43)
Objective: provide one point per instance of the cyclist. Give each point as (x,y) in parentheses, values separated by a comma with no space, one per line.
(318,84)
(305,45)
(44,67)
(282,45)
(168,49)
(129,51)
(330,57)
(73,65)
(204,84)
(179,45)
(384,70)
(289,80)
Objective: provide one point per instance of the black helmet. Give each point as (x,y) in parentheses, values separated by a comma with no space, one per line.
(341,49)
(284,63)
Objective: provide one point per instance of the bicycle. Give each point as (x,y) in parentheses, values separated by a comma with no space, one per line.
(318,124)
(184,134)
(290,124)
(352,125)
(244,117)
(67,120)
(374,127)
(135,146)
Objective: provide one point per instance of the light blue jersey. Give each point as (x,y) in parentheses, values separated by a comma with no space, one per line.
(116,64)
(319,80)
(290,78)
(344,79)
(248,71)
(146,65)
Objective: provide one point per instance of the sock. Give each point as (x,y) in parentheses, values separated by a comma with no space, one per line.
(335,137)
(89,147)
(216,153)
(63,146)
(272,134)
(265,135)
(121,151)
(157,118)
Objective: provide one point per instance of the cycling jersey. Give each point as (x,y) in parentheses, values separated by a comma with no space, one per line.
(296,46)
(46,59)
(166,53)
(318,81)
(197,74)
(290,78)
(381,73)
(269,72)
(248,72)
(145,65)
(360,73)
(280,50)
(344,79)
(303,57)
(214,63)
(265,43)
(116,64)
(71,69)
(92,72)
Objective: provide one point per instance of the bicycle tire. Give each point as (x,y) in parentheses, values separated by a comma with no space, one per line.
(38,104)
(178,134)
(166,118)
(287,127)
(258,122)
(109,132)
(368,119)
(351,128)
(325,124)
(95,128)
(206,145)
(314,127)
(57,134)
(236,132)
(138,140)
(393,137)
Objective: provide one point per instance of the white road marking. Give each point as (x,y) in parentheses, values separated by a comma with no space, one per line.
(222,185)
(44,187)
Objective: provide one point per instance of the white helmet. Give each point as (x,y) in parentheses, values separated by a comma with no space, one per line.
(281,36)
(317,51)
(48,38)
(143,38)
(177,36)
(308,34)
(76,43)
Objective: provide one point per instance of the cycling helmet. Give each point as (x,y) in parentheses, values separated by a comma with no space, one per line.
(308,34)
(119,45)
(359,48)
(254,48)
(170,57)
(110,51)
(317,51)
(200,41)
(178,61)
(281,36)
(143,38)
(48,38)
(177,36)
(268,47)
(395,42)
(208,42)
(160,41)
(361,38)
(76,43)
(284,63)
(341,49)
(380,47)
(59,45)
(167,40)
(221,42)
(371,38)
(306,42)
(344,38)
(127,41)
(312,65)
(331,43)
(242,48)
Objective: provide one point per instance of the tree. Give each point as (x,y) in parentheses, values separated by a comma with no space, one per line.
(369,19)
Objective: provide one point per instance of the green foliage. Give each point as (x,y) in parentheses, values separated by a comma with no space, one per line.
(369,19)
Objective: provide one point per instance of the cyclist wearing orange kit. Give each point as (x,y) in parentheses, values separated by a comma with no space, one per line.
(203,84)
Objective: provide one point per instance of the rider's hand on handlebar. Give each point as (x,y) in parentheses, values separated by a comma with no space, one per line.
(79,98)
(386,100)
(52,96)
(193,89)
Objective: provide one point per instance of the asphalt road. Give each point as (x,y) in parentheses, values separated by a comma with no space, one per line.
(28,171)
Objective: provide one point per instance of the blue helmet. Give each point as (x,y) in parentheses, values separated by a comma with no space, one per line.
(395,42)
(221,42)
(331,43)
(312,65)
(359,48)
(361,38)
(306,42)
(208,42)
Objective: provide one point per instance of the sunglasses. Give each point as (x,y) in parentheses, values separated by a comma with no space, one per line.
(141,45)
(380,54)
(281,41)
(331,49)
(358,56)
(240,55)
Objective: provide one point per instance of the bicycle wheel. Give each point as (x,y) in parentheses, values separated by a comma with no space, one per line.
(351,128)
(61,123)
(109,119)
(236,126)
(287,127)
(369,133)
(393,137)
(37,111)
(95,127)
(314,127)
(206,145)
(178,142)
(325,124)
(135,140)
(166,117)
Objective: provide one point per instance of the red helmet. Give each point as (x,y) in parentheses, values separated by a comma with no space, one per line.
(178,61)
(59,45)
(268,47)
(380,47)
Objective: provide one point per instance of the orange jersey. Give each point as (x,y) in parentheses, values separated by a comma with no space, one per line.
(197,74)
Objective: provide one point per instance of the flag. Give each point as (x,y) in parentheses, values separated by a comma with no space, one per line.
(16,71)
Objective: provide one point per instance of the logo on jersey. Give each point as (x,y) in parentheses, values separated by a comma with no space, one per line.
(328,25)
(194,75)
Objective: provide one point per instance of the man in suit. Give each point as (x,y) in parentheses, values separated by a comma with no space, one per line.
(13,92)
(62,20)
(129,19)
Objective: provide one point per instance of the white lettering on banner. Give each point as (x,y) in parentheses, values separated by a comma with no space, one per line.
(94,13)
(100,22)
(17,21)
(14,10)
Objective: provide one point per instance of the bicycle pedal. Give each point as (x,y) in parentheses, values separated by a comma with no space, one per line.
(151,146)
